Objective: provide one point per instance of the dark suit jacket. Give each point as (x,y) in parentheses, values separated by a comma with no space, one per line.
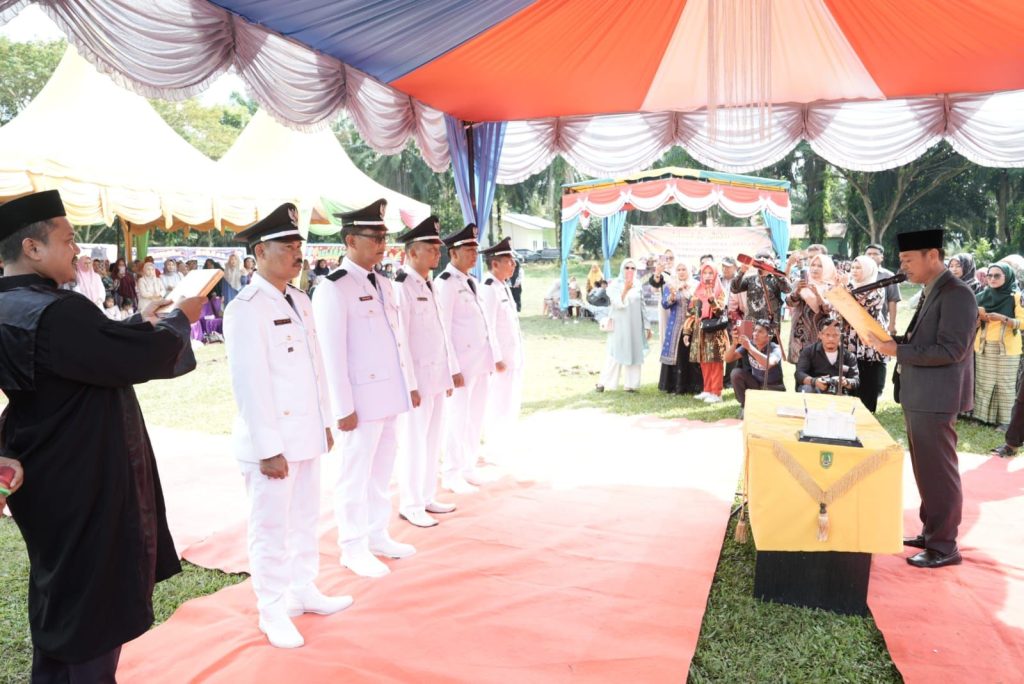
(814,363)
(936,365)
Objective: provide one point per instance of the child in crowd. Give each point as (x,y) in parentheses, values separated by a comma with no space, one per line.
(111,310)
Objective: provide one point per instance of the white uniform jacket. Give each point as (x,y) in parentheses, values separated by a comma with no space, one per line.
(277,374)
(368,371)
(433,358)
(462,316)
(503,319)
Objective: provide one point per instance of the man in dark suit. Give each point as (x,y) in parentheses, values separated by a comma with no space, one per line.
(819,363)
(935,384)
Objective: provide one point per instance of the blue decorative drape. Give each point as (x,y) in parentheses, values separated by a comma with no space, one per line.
(778,232)
(487,141)
(612,228)
(568,235)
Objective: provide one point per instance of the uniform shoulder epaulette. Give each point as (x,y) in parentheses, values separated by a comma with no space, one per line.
(247,293)
(400,278)
(337,275)
(489,281)
(445,276)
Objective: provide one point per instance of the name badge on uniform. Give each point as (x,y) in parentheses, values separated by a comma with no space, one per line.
(366,298)
(422,299)
(282,321)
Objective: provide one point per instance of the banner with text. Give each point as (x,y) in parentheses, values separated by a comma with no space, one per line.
(688,243)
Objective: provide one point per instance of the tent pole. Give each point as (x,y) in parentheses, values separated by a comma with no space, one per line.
(127,242)
(471,163)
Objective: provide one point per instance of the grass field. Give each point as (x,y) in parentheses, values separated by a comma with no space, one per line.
(741,640)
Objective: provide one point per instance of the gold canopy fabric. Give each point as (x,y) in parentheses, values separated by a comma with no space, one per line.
(110,154)
(783,516)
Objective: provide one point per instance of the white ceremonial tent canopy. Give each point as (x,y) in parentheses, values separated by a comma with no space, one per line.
(870,84)
(312,171)
(110,154)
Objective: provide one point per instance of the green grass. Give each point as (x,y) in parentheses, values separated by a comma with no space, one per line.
(741,639)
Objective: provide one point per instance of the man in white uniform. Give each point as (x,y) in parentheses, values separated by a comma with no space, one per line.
(369,387)
(436,374)
(477,354)
(283,426)
(505,390)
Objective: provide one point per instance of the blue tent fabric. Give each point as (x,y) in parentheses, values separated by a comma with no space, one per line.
(568,235)
(778,230)
(385,38)
(612,228)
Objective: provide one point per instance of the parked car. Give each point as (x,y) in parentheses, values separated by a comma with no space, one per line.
(548,255)
(524,254)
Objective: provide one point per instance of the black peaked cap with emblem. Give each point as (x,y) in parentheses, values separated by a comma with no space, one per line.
(428,230)
(921,239)
(24,211)
(280,224)
(370,217)
(504,246)
(466,236)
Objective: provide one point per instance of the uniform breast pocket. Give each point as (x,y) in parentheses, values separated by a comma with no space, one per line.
(288,344)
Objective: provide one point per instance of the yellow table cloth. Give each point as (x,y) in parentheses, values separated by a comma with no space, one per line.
(867,518)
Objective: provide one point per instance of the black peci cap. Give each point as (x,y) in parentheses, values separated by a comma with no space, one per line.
(934,238)
(24,211)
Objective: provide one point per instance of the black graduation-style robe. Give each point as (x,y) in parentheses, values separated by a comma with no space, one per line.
(91,509)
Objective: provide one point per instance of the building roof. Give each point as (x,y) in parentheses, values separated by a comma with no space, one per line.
(528,222)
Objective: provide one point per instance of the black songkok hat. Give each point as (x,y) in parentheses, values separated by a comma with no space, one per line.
(428,230)
(466,236)
(503,247)
(921,239)
(280,224)
(370,216)
(24,211)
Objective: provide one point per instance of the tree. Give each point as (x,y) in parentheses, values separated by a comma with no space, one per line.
(885,195)
(24,70)
(210,129)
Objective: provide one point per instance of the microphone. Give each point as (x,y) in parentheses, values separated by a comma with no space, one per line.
(884,282)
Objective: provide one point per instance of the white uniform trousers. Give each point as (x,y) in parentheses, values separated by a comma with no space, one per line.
(465,418)
(418,460)
(610,376)
(362,505)
(283,514)
(504,402)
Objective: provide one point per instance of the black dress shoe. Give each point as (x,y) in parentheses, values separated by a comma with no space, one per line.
(929,558)
(917,542)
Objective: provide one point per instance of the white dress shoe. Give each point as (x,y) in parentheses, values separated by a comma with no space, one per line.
(280,631)
(474,478)
(418,518)
(713,399)
(457,485)
(310,600)
(364,564)
(702,396)
(389,548)
(440,507)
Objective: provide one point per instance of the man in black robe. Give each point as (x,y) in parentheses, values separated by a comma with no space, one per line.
(90,506)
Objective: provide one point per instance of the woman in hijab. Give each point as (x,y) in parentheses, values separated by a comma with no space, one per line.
(593,277)
(151,289)
(232,278)
(124,281)
(679,375)
(102,268)
(627,341)
(171,277)
(321,268)
(870,363)
(962,266)
(807,303)
(706,327)
(249,267)
(88,282)
(997,346)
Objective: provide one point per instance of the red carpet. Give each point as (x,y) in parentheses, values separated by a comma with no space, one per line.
(593,564)
(963,623)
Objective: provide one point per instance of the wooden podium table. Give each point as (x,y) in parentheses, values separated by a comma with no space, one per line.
(817,511)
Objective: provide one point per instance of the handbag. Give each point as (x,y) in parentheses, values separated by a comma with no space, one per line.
(607,324)
(714,324)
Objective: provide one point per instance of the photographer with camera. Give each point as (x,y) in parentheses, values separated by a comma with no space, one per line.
(760,362)
(818,369)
